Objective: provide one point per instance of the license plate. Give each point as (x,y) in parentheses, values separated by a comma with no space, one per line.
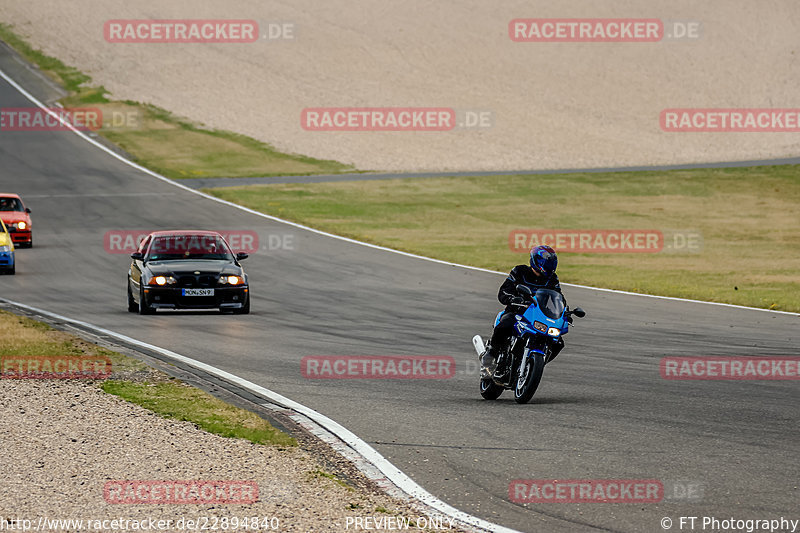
(197,292)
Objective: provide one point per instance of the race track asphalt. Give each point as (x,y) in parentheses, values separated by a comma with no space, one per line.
(602,411)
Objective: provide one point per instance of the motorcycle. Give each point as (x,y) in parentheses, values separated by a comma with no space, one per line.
(519,366)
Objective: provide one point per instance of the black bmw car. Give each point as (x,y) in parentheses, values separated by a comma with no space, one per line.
(187,270)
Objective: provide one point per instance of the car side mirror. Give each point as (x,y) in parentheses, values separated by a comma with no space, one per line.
(28,210)
(242,255)
(139,256)
(578,312)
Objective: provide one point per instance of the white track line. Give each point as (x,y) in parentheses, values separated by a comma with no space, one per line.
(331,235)
(392,473)
(367,452)
(370,454)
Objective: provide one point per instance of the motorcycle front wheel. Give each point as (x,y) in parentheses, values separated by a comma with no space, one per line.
(529,378)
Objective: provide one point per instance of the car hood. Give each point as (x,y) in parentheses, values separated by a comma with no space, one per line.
(9,217)
(4,239)
(171,267)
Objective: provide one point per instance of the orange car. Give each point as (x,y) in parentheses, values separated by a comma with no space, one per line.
(17,219)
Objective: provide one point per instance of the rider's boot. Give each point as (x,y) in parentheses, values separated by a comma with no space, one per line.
(503,362)
(488,361)
(502,369)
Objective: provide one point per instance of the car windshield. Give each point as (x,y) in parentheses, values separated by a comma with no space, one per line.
(193,247)
(11,204)
(550,302)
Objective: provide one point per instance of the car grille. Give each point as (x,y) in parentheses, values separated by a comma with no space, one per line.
(189,280)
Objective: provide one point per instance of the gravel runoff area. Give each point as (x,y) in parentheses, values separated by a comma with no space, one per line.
(64,440)
(553,105)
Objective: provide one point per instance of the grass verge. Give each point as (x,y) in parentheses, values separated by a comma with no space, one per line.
(172,146)
(747,219)
(183,402)
(142,385)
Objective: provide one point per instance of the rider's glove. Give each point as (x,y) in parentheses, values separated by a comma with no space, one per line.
(518,300)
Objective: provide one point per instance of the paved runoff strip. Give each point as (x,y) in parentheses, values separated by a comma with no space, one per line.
(201,183)
(100,195)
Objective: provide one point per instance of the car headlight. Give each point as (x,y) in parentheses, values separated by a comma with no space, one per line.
(22,225)
(161,280)
(554,332)
(5,248)
(227,279)
(540,326)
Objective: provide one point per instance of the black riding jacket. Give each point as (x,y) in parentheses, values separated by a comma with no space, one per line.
(523,275)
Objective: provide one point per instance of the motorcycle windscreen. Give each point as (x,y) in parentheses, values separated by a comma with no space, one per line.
(550,302)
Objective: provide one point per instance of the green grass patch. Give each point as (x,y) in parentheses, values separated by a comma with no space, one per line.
(321,474)
(182,402)
(169,145)
(154,390)
(747,217)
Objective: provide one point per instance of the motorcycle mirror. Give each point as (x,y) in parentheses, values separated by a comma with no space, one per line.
(578,312)
(524,289)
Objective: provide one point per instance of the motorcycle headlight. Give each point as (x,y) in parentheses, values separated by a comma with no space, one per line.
(554,332)
(230,280)
(539,326)
(161,280)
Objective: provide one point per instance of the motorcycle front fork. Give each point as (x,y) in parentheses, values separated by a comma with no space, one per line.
(507,356)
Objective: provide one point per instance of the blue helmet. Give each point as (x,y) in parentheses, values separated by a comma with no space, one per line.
(544,260)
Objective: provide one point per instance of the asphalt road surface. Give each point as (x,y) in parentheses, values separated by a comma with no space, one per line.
(602,411)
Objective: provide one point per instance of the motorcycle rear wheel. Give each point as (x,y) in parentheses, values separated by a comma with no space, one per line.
(490,390)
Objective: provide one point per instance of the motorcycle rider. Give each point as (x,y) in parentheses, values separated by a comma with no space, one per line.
(541,274)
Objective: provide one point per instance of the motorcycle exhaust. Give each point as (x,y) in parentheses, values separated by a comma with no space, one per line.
(477,342)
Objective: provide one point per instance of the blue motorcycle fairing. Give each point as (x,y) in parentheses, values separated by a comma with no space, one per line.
(498,317)
(546,302)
